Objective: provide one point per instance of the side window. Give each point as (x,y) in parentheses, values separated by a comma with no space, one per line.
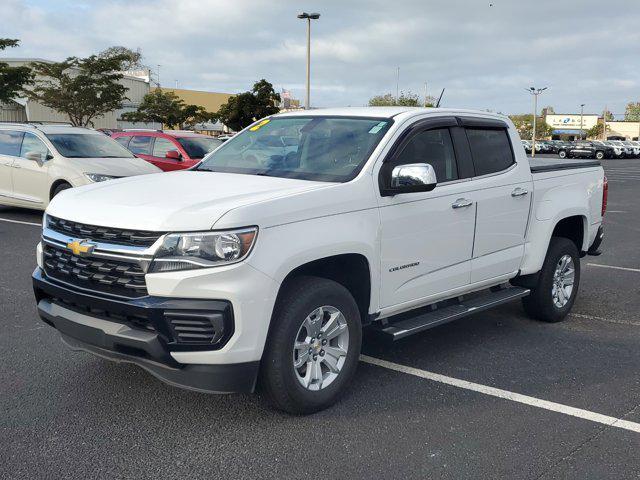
(162,146)
(490,149)
(10,142)
(141,145)
(124,141)
(31,143)
(435,148)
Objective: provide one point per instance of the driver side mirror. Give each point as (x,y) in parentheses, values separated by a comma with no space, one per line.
(173,155)
(411,178)
(36,157)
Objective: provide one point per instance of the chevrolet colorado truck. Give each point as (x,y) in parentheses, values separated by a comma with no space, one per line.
(262,270)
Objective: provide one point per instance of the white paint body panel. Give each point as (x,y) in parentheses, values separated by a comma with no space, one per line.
(457,251)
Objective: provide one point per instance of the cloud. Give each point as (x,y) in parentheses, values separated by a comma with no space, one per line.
(484,56)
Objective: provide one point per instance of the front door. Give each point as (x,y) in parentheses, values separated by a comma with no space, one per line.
(31,182)
(160,148)
(426,238)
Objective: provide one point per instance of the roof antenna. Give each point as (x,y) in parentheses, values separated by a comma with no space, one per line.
(440,98)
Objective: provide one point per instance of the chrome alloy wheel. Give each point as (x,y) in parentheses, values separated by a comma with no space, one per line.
(320,348)
(563,279)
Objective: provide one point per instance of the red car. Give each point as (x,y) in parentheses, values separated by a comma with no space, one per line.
(168,150)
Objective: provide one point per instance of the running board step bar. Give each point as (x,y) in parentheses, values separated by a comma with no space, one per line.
(404,328)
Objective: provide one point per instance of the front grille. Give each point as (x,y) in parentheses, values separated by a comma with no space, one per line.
(109,276)
(136,238)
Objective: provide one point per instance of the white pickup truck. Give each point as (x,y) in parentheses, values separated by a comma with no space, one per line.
(256,268)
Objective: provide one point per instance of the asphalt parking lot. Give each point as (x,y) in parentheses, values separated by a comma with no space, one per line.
(66,414)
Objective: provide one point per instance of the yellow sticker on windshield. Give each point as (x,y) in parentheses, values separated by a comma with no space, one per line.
(259,125)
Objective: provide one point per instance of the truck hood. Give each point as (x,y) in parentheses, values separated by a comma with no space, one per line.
(116,167)
(174,201)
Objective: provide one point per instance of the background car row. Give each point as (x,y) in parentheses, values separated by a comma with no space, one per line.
(598,149)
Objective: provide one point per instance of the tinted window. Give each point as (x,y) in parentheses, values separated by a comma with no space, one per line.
(141,145)
(198,147)
(322,148)
(10,142)
(124,141)
(87,145)
(31,143)
(161,146)
(435,148)
(490,149)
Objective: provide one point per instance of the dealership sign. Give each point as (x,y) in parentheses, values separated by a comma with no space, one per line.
(571,121)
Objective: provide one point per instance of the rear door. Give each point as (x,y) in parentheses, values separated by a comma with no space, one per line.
(502,189)
(10,141)
(142,146)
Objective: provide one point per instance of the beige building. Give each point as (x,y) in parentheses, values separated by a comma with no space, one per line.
(211,101)
(23,110)
(626,130)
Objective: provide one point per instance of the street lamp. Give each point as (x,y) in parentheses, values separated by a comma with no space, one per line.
(535,92)
(308,17)
(581,115)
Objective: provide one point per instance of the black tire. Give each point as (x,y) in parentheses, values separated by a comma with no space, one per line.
(539,304)
(599,155)
(278,378)
(59,188)
(562,154)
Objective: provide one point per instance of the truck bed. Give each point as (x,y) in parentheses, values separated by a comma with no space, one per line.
(552,164)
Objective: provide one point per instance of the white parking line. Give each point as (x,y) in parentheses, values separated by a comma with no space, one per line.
(602,319)
(505,394)
(626,269)
(8,220)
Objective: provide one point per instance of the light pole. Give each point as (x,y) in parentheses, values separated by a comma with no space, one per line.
(535,92)
(581,115)
(308,17)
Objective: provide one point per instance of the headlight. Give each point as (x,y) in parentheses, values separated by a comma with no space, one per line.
(188,251)
(98,177)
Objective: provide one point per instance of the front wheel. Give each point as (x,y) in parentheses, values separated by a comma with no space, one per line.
(313,347)
(552,298)
(599,155)
(562,154)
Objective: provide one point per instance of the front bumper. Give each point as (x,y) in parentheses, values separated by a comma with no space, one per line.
(138,331)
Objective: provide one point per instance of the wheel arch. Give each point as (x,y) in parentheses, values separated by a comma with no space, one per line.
(56,184)
(351,270)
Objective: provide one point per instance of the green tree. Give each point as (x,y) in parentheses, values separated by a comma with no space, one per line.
(524,125)
(12,79)
(408,99)
(132,58)
(596,131)
(632,112)
(81,88)
(168,109)
(244,109)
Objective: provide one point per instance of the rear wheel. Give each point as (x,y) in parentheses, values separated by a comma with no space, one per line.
(599,155)
(552,298)
(313,347)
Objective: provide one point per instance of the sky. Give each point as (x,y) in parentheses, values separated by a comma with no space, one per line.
(485,54)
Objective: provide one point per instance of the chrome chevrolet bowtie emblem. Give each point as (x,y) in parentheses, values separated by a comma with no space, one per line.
(81,248)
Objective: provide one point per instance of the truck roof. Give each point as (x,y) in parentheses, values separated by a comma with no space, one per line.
(385,112)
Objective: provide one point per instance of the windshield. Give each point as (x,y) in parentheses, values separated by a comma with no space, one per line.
(321,148)
(198,147)
(88,145)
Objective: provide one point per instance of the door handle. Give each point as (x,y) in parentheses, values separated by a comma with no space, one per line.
(519,192)
(461,203)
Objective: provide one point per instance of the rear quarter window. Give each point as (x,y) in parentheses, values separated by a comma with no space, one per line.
(490,149)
